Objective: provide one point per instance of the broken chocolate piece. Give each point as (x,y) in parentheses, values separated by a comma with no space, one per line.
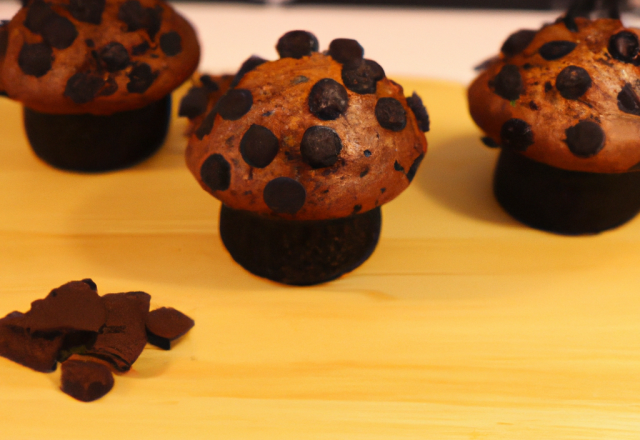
(85,380)
(167,324)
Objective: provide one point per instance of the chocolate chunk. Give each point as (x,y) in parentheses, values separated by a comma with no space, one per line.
(414,167)
(419,111)
(153,21)
(35,59)
(516,134)
(56,31)
(84,87)
(89,11)
(234,104)
(489,142)
(140,78)
(391,114)
(209,83)
(624,46)
(215,172)
(140,49)
(362,77)
(114,57)
(259,146)
(508,83)
(320,146)
(572,82)
(628,100)
(194,103)
(137,17)
(171,43)
(554,50)
(85,380)
(38,14)
(346,51)
(585,139)
(284,195)
(251,63)
(367,153)
(297,44)
(167,324)
(206,125)
(89,282)
(397,166)
(328,99)
(124,335)
(517,42)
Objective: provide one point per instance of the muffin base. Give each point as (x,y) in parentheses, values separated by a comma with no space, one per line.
(562,201)
(299,252)
(95,143)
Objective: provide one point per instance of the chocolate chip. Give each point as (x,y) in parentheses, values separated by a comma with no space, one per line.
(517,42)
(90,43)
(194,103)
(167,324)
(397,166)
(554,50)
(234,104)
(367,153)
(346,51)
(59,32)
(140,78)
(136,17)
(153,21)
(585,139)
(624,46)
(114,57)
(628,100)
(35,59)
(419,111)
(83,87)
(320,146)
(364,172)
(89,282)
(414,167)
(391,114)
(251,63)
(533,106)
(362,77)
(38,14)
(489,142)
(328,99)
(215,172)
(89,11)
(572,82)
(516,134)
(85,381)
(171,43)
(206,125)
(259,146)
(284,195)
(140,49)
(209,83)
(297,44)
(508,83)
(548,86)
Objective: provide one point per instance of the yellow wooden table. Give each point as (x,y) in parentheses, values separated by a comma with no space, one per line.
(462,325)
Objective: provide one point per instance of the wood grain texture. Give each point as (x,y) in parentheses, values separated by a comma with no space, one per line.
(462,325)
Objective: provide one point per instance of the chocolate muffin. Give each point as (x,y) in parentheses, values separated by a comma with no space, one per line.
(563,105)
(95,77)
(302,152)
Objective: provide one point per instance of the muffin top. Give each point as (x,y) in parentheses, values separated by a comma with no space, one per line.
(309,136)
(566,95)
(94,56)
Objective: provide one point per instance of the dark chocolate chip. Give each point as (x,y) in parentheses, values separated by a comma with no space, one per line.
(585,139)
(628,100)
(391,114)
(548,86)
(328,99)
(364,172)
(89,11)
(554,50)
(90,43)
(215,172)
(85,381)
(346,51)
(167,324)
(362,77)
(136,17)
(35,59)
(171,43)
(533,106)
(624,46)
(234,104)
(284,195)
(572,82)
(297,44)
(414,167)
(114,57)
(209,83)
(140,49)
(153,21)
(38,14)
(59,32)
(419,111)
(140,78)
(250,63)
(397,166)
(516,134)
(89,282)
(356,209)
(508,83)
(367,153)
(259,146)
(194,103)
(489,142)
(320,146)
(206,125)
(517,42)
(83,87)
